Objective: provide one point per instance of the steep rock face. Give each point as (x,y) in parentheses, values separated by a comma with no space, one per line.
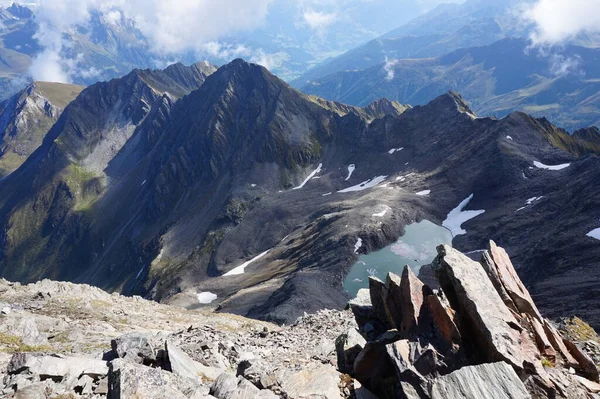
(67,172)
(27,116)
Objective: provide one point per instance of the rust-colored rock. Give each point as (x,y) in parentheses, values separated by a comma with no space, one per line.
(512,283)
(490,268)
(496,332)
(586,364)
(541,339)
(411,294)
(557,343)
(443,320)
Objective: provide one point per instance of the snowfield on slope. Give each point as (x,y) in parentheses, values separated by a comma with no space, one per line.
(529,202)
(594,234)
(313,174)
(540,165)
(457,217)
(357,246)
(241,269)
(351,169)
(381,214)
(206,297)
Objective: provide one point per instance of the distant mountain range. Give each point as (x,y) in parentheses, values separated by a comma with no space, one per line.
(444,29)
(108,47)
(496,80)
(169,183)
(478,48)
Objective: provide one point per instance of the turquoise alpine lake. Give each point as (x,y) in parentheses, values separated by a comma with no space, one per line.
(416,248)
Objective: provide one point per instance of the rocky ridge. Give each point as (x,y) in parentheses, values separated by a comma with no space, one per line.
(477,334)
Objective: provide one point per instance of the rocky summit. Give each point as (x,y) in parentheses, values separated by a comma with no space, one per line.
(477,334)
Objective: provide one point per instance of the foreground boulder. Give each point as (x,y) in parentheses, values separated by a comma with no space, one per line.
(131,380)
(480,333)
(479,382)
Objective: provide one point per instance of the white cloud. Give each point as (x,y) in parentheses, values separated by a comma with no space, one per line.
(172,27)
(557,21)
(269,60)
(113,17)
(389,68)
(562,65)
(319,21)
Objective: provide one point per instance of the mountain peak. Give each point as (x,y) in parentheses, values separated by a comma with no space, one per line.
(454,100)
(240,65)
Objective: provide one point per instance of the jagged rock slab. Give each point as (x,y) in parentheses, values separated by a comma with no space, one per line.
(497,380)
(495,329)
(412,293)
(512,283)
(376,290)
(586,364)
(443,320)
(392,299)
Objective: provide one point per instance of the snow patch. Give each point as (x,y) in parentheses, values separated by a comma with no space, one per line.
(529,202)
(140,273)
(424,193)
(314,172)
(380,214)
(144,182)
(364,185)
(457,217)
(327,194)
(540,165)
(242,268)
(351,169)
(393,150)
(253,185)
(509,138)
(357,246)
(533,199)
(594,234)
(206,297)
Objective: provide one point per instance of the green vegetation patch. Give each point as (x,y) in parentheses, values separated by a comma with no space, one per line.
(13,344)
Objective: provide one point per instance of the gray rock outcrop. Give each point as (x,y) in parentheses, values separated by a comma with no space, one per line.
(479,382)
(481,332)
